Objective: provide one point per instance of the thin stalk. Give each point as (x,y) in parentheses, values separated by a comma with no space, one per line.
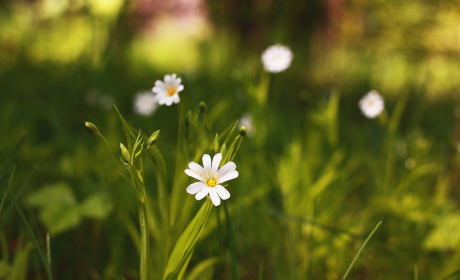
(110,150)
(48,248)
(231,243)
(360,249)
(144,269)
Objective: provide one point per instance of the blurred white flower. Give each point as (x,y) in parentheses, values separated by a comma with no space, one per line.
(246,120)
(210,178)
(145,103)
(106,102)
(167,91)
(277,58)
(372,104)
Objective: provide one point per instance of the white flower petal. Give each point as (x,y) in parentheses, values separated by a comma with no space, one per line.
(214,197)
(222,192)
(167,79)
(207,163)
(160,84)
(196,167)
(177,82)
(229,166)
(168,102)
(215,162)
(201,194)
(162,100)
(193,174)
(175,98)
(180,88)
(195,187)
(228,176)
(158,90)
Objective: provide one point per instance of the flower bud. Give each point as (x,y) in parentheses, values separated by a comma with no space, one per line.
(203,107)
(91,128)
(124,154)
(153,139)
(215,144)
(243,131)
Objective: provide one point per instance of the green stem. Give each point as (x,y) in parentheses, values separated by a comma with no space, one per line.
(144,269)
(360,249)
(231,243)
(110,150)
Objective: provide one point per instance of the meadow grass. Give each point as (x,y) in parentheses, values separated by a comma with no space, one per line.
(323,192)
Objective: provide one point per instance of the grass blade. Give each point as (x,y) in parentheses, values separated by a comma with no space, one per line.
(360,249)
(231,243)
(456,272)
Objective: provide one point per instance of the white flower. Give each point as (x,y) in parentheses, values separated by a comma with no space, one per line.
(246,120)
(210,178)
(145,103)
(167,91)
(372,104)
(277,58)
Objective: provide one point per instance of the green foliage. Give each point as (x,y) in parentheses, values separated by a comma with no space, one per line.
(315,175)
(186,243)
(59,211)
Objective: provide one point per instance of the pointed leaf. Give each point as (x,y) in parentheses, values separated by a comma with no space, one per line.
(130,136)
(185,245)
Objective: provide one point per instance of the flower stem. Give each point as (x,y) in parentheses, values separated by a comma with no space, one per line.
(142,207)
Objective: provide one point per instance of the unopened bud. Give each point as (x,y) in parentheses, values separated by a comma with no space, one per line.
(243,131)
(215,144)
(153,139)
(91,128)
(124,154)
(203,107)
(223,149)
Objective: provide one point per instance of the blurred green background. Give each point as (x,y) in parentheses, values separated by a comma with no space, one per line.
(315,177)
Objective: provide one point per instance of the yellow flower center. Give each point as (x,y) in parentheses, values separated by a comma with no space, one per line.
(171,91)
(211,182)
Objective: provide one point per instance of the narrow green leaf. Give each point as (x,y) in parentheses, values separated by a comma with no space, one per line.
(201,267)
(130,136)
(185,245)
(456,272)
(138,186)
(231,243)
(360,249)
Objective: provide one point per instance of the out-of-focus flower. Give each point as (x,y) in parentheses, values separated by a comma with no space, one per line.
(246,120)
(168,91)
(277,58)
(210,177)
(372,104)
(145,103)
(106,102)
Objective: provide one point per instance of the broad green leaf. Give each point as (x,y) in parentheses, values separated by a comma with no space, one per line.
(60,217)
(98,206)
(59,193)
(185,245)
